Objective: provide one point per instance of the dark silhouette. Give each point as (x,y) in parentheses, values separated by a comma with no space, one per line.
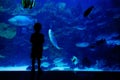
(37,40)
(86,62)
(100,42)
(88,11)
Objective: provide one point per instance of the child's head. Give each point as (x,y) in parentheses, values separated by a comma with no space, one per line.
(37,27)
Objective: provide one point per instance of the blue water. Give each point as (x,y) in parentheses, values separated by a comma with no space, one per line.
(87,43)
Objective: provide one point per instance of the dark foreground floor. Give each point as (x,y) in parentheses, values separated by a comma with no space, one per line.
(60,75)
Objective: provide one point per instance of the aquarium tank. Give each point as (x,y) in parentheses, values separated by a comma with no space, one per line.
(80,35)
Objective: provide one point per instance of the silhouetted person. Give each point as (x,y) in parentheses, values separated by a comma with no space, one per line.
(37,40)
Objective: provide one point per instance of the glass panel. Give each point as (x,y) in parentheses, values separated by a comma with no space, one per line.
(80,35)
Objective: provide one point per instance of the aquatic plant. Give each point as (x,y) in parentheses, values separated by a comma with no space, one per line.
(100,64)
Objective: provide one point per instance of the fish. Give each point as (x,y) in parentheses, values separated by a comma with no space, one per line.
(28,3)
(88,11)
(21,20)
(52,39)
(82,44)
(75,60)
(45,64)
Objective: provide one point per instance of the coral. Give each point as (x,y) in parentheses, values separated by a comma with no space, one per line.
(100,64)
(58,62)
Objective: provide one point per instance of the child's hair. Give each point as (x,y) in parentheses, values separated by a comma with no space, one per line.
(37,27)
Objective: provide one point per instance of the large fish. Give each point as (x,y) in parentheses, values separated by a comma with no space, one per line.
(52,39)
(21,20)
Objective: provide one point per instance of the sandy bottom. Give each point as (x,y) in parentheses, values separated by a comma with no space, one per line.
(23,68)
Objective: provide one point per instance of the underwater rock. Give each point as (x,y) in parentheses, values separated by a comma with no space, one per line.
(6,31)
(100,42)
(21,20)
(100,64)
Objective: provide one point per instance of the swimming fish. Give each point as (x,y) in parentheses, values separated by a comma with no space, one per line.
(52,39)
(28,3)
(82,44)
(21,20)
(88,11)
(74,60)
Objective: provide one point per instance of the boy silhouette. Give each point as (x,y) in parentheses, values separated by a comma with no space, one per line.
(37,40)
